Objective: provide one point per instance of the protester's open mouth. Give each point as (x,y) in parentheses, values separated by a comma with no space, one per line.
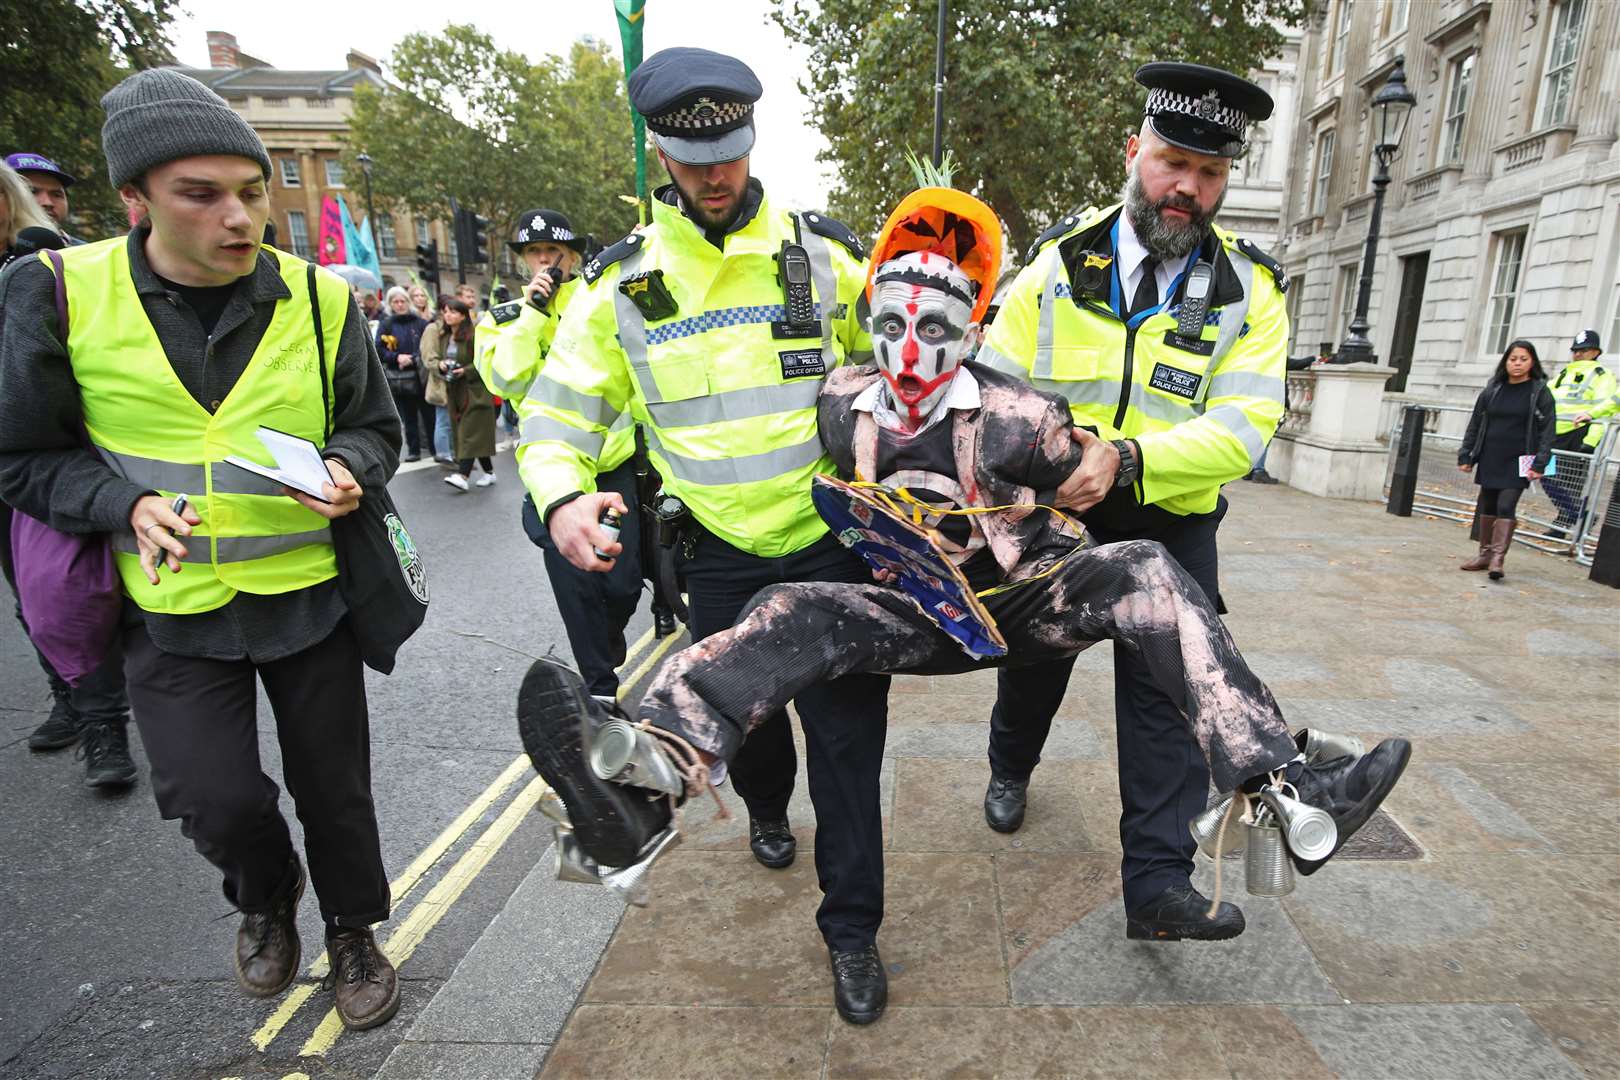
(910,387)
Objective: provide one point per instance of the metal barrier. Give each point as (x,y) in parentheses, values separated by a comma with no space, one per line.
(1561,513)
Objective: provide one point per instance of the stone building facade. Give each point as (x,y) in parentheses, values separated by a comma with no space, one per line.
(1254,195)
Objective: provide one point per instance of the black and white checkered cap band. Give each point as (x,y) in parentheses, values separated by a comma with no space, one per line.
(1207,108)
(704,114)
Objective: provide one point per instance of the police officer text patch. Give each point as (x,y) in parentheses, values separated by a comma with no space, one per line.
(797,363)
(1175,381)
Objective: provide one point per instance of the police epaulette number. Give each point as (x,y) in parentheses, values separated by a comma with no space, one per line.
(836,230)
(610,255)
(1257,256)
(505,313)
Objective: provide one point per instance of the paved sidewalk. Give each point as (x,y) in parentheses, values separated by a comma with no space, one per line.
(1492,950)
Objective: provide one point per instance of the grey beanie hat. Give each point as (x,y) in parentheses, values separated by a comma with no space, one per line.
(159,115)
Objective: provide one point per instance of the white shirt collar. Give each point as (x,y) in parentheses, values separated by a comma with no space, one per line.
(963,393)
(1131,254)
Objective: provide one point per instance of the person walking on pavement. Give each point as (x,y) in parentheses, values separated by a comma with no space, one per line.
(515,339)
(399,345)
(181,340)
(1585,391)
(1167,337)
(472,410)
(435,391)
(1513,420)
(693,328)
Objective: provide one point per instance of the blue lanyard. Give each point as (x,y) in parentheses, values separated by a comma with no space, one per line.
(1116,290)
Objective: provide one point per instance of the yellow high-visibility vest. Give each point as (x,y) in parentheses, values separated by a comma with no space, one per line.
(1585,386)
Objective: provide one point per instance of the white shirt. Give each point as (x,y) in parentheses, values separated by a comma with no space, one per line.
(963,393)
(1131,255)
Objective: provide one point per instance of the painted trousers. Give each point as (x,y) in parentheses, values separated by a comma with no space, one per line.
(795,636)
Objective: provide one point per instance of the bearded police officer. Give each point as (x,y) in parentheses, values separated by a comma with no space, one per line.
(714,328)
(1167,337)
(514,341)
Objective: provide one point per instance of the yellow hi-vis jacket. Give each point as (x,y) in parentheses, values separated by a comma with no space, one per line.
(513,342)
(1202,408)
(149,428)
(1585,386)
(728,402)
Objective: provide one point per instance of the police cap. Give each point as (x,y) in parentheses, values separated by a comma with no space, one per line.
(1202,109)
(698,104)
(1586,339)
(544,227)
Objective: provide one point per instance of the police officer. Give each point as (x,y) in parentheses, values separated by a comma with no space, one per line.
(714,328)
(1584,391)
(514,340)
(1167,337)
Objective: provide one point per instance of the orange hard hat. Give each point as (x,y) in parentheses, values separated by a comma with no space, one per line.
(947,222)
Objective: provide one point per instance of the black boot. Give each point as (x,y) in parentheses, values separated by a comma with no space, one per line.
(1349,789)
(772,842)
(860,985)
(1181,913)
(61,728)
(556,716)
(105,751)
(1004,804)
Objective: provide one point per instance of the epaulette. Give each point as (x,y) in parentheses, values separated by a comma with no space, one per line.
(505,313)
(1257,256)
(610,255)
(836,230)
(1597,370)
(1068,222)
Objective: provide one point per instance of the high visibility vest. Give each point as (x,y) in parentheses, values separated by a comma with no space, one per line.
(1201,408)
(1585,386)
(514,340)
(726,394)
(150,430)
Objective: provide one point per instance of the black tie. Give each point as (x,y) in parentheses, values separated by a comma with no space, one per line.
(1147,290)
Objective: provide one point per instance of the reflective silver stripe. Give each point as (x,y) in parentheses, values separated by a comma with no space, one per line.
(1042,368)
(589,407)
(1232,315)
(196,546)
(827,286)
(1093,392)
(743,469)
(514,390)
(633,331)
(1099,392)
(1246,384)
(231,480)
(737,404)
(536,429)
(156,473)
(1233,419)
(996,361)
(625,420)
(243,548)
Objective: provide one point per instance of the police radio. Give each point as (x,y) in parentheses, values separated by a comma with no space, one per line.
(1195,300)
(797,299)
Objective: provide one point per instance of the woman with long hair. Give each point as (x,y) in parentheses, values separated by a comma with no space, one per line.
(472,409)
(18,211)
(1507,445)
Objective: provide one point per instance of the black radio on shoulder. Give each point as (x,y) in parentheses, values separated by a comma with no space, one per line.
(797,300)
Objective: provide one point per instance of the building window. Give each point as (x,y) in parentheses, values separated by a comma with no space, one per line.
(455,250)
(385,236)
(1344,299)
(1614,327)
(423,234)
(289,172)
(1558,84)
(1504,299)
(1461,84)
(1324,173)
(334,172)
(298,233)
(1341,39)
(275,103)
(318,102)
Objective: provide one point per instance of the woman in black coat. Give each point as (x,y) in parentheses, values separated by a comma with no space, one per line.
(1514,417)
(399,341)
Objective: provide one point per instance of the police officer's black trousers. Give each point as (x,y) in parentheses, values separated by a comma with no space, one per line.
(844,729)
(198,722)
(1155,747)
(595,608)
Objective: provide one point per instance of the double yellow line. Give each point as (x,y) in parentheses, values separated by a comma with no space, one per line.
(410,932)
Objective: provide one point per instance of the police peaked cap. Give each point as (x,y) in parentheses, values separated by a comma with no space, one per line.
(1202,109)
(698,104)
(544,227)
(1586,339)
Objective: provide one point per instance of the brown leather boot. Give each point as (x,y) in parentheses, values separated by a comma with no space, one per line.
(267,945)
(1483,559)
(1501,537)
(366,984)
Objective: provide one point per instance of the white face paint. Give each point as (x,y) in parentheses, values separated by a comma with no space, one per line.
(922,330)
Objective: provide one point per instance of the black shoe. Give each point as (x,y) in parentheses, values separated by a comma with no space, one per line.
(1181,913)
(612,822)
(105,751)
(772,842)
(1260,476)
(60,729)
(413,456)
(1004,804)
(664,623)
(1349,789)
(860,985)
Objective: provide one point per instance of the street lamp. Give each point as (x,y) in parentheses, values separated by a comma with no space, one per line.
(1391,106)
(365,170)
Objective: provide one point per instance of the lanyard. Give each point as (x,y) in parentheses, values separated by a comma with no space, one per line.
(1116,289)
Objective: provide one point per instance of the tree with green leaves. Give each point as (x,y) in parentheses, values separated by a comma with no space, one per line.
(59,57)
(500,133)
(1039,96)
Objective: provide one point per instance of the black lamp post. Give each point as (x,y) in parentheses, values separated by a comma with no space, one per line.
(365,170)
(1391,106)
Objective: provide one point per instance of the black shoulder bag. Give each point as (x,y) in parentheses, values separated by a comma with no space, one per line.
(380,571)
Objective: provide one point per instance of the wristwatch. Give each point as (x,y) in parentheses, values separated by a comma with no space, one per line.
(1130,464)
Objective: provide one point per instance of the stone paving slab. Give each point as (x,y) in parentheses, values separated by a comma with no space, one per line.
(1482,1042)
(457,1061)
(702,1043)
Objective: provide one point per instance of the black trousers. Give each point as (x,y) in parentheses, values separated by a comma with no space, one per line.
(416,415)
(1155,746)
(844,730)
(198,722)
(595,608)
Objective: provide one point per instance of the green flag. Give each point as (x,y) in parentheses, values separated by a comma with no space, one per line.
(630,28)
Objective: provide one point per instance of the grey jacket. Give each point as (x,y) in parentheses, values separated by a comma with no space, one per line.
(46,471)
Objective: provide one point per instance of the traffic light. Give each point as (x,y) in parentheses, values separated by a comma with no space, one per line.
(472,235)
(427,259)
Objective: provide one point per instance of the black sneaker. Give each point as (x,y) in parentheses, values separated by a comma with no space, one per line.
(1348,789)
(772,842)
(105,751)
(1181,913)
(60,730)
(860,985)
(556,715)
